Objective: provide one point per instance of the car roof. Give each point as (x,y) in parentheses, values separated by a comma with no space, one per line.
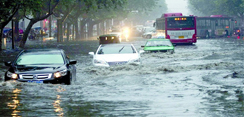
(118,44)
(43,51)
(107,35)
(160,39)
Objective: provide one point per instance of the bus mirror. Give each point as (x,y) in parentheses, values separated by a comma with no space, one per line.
(154,24)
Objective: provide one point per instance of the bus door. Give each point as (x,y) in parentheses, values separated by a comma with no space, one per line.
(213,28)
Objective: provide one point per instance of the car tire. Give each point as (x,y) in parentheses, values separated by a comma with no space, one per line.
(149,36)
(6,79)
(68,81)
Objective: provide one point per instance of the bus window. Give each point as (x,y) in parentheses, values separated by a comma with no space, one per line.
(175,23)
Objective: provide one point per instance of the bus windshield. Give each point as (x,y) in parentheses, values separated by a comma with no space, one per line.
(184,22)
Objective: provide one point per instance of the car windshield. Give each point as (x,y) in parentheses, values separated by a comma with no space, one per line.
(159,43)
(40,59)
(124,49)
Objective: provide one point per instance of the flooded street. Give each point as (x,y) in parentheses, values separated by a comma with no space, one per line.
(205,79)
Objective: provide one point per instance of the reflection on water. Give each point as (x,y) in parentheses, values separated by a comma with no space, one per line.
(60,89)
(15,102)
(56,104)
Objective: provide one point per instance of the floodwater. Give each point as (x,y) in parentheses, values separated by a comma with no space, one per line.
(201,80)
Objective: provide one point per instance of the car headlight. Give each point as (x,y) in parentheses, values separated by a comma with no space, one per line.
(98,61)
(60,73)
(12,75)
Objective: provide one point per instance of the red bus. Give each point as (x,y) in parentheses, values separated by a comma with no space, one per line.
(215,26)
(177,28)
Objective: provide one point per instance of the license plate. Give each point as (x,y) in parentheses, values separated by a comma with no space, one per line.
(35,81)
(181,37)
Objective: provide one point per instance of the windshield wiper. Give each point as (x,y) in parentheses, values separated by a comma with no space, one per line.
(121,49)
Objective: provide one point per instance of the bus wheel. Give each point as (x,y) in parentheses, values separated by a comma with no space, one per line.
(207,35)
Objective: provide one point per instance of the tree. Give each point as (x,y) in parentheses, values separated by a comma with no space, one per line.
(232,8)
(83,8)
(142,10)
(8,9)
(42,10)
(205,7)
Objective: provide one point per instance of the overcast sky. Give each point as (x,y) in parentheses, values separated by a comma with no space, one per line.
(177,6)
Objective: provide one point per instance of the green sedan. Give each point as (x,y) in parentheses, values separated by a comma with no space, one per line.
(159,45)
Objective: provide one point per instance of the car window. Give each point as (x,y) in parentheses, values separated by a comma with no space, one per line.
(158,43)
(116,50)
(37,59)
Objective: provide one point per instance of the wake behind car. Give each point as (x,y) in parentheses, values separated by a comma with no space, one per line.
(41,66)
(109,38)
(158,45)
(115,54)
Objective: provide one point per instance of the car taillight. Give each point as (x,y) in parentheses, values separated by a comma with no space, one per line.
(167,37)
(194,36)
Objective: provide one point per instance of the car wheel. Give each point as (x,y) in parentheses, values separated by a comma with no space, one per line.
(149,36)
(170,51)
(68,80)
(6,79)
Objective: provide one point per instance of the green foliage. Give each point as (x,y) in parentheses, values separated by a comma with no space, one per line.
(8,7)
(142,10)
(223,7)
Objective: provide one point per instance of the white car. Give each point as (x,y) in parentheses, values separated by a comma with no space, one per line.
(149,32)
(116,54)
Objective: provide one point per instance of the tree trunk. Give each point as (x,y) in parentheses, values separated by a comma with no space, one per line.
(50,26)
(102,28)
(16,30)
(1,33)
(82,25)
(77,34)
(58,33)
(68,32)
(73,32)
(98,29)
(90,29)
(25,36)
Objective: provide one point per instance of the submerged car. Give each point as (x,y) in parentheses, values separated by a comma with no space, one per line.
(116,54)
(42,66)
(109,38)
(158,45)
(149,32)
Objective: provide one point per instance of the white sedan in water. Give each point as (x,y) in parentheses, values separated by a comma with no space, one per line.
(116,54)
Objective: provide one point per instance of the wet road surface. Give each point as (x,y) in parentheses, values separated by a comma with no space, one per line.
(201,80)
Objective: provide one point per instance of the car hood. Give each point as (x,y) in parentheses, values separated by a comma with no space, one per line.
(117,57)
(37,68)
(159,48)
(146,33)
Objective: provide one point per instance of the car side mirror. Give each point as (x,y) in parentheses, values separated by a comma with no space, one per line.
(141,51)
(7,63)
(98,38)
(142,46)
(91,53)
(72,62)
